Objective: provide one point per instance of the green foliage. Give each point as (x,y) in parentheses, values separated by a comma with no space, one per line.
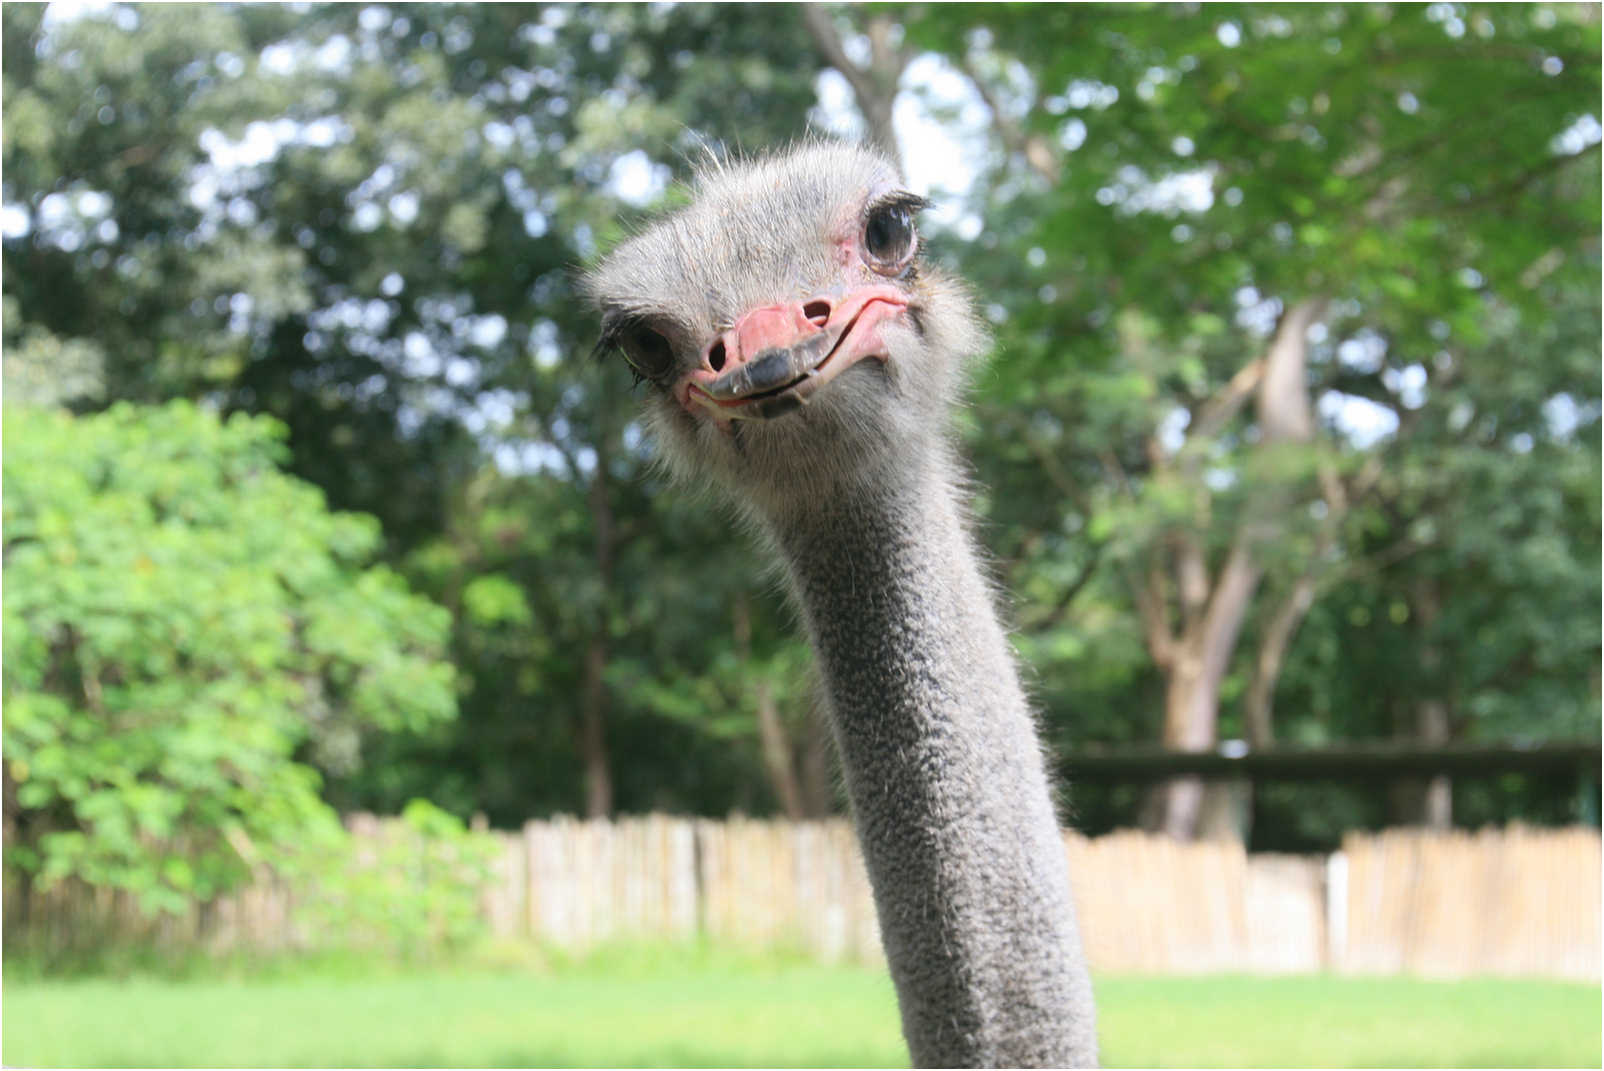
(1423,169)
(182,623)
(391,275)
(408,888)
(1476,578)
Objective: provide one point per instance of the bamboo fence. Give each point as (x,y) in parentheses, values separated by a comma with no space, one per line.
(1517,901)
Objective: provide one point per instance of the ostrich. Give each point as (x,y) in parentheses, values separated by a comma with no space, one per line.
(801,357)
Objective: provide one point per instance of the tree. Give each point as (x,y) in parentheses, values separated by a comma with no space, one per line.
(365,221)
(1195,240)
(186,626)
(1469,575)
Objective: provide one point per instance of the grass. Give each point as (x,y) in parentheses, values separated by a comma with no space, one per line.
(711,1007)
(1321,1021)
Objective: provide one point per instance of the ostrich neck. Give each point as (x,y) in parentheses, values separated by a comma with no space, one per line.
(945,776)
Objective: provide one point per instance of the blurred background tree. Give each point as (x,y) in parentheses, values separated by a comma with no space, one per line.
(1290,435)
(189,635)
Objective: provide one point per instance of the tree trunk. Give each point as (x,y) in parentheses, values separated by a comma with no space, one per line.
(14,827)
(776,745)
(818,777)
(1437,811)
(1259,704)
(1431,717)
(1226,812)
(777,752)
(593,710)
(1192,697)
(1419,802)
(1175,805)
(592,732)
(1195,662)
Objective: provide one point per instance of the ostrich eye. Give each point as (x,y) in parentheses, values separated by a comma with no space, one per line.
(889,241)
(647,351)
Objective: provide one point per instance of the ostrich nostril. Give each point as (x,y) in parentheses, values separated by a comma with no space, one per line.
(817,312)
(715,356)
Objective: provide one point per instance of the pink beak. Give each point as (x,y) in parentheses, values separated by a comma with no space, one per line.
(776,357)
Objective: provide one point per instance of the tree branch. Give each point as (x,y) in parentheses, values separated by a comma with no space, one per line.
(1283,397)
(1218,410)
(1067,597)
(1519,183)
(1149,592)
(874,86)
(816,17)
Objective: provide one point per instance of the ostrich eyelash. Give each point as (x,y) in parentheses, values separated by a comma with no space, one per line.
(615,327)
(610,342)
(897,199)
(607,343)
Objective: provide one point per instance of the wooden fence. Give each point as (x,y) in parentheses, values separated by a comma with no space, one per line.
(1512,902)
(1519,901)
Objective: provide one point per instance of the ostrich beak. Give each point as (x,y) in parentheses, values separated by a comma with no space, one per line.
(777,357)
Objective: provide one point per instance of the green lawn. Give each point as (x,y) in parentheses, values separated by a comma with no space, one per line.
(714,1009)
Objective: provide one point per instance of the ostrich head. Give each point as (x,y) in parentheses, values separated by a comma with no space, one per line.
(793,342)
